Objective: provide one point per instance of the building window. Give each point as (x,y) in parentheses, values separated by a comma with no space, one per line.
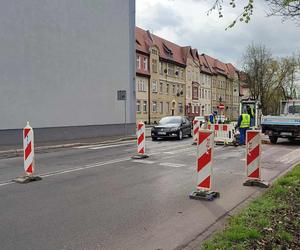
(154,86)
(154,51)
(138,106)
(141,86)
(205,94)
(168,108)
(173,89)
(195,93)
(167,88)
(161,107)
(138,62)
(145,106)
(145,63)
(171,70)
(180,107)
(154,65)
(160,87)
(154,106)
(161,68)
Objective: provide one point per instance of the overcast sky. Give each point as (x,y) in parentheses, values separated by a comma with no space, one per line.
(185,22)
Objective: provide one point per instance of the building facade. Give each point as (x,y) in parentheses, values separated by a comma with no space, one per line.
(57,72)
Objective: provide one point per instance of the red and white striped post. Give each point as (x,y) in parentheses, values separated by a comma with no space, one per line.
(196,127)
(253,159)
(28,148)
(141,141)
(205,150)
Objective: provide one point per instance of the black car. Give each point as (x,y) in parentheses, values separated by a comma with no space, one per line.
(172,126)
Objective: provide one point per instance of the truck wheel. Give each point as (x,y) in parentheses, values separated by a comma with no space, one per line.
(273,139)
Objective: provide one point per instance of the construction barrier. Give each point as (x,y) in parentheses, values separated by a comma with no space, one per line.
(28,147)
(205,150)
(196,126)
(253,159)
(224,133)
(141,141)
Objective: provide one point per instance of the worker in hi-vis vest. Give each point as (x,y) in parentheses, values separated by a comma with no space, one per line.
(243,124)
(252,115)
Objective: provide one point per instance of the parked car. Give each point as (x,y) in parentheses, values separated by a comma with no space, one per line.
(172,126)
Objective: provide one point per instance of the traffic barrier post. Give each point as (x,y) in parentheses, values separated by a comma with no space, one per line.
(205,148)
(141,142)
(29,163)
(196,127)
(253,159)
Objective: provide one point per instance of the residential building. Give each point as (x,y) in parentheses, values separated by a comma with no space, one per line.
(220,99)
(193,105)
(233,82)
(166,92)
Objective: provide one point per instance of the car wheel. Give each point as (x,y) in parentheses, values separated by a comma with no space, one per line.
(154,138)
(273,139)
(180,135)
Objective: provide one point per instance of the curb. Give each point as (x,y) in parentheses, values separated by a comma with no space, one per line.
(18,152)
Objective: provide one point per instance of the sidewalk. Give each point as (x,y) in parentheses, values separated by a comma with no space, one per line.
(11,151)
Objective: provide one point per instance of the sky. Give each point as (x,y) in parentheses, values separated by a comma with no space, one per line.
(185,22)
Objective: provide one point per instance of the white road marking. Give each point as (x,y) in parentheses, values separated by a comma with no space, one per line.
(173,165)
(143,161)
(99,146)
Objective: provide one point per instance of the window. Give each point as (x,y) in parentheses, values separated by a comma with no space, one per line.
(195,93)
(177,88)
(154,51)
(161,68)
(205,94)
(161,107)
(202,93)
(145,106)
(160,87)
(138,106)
(180,107)
(173,89)
(167,88)
(168,108)
(154,86)
(145,63)
(170,69)
(138,62)
(154,106)
(154,65)
(141,86)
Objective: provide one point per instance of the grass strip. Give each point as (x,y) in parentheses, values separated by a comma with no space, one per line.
(271,221)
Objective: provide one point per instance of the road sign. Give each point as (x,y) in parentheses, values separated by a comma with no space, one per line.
(121,95)
(221,106)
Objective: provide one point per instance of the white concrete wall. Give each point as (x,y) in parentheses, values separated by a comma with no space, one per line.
(62,62)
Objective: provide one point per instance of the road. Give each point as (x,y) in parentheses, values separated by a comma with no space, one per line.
(97,197)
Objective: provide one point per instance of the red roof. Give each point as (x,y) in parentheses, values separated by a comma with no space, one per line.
(168,50)
(231,69)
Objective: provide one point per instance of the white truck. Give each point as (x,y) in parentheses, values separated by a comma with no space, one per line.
(286,125)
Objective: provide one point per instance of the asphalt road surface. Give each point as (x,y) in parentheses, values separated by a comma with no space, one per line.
(97,197)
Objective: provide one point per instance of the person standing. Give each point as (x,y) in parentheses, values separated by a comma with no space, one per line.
(251,113)
(243,125)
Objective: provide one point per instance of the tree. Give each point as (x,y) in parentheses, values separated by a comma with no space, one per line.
(270,80)
(287,9)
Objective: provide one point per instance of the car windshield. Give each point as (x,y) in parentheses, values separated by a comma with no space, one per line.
(170,120)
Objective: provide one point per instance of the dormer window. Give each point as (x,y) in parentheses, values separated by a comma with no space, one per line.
(167,50)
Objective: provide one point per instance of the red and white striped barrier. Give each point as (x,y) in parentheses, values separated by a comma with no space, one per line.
(205,150)
(141,141)
(196,127)
(224,133)
(28,147)
(253,159)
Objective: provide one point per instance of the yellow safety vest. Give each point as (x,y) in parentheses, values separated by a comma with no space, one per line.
(245,123)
